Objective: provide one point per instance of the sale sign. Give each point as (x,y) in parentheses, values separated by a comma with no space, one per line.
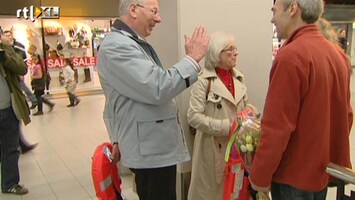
(59,62)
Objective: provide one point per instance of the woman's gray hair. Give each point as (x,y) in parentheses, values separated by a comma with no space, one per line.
(125,4)
(311,9)
(218,42)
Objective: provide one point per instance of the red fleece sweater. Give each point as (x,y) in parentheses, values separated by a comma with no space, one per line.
(307,115)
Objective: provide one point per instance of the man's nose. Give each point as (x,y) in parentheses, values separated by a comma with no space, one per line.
(157,18)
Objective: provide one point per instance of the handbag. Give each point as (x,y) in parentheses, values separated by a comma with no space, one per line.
(38,84)
(192,129)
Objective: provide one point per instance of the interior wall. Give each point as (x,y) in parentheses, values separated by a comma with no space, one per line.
(252,31)
(165,35)
(352,51)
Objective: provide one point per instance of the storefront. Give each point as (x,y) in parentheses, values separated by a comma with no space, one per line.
(73,38)
(76,34)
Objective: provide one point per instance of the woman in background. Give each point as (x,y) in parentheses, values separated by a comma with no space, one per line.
(326,28)
(38,84)
(342,39)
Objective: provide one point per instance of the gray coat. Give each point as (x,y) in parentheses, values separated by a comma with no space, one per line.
(140,111)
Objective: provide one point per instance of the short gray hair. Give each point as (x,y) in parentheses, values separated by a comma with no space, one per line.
(219,41)
(311,9)
(124,6)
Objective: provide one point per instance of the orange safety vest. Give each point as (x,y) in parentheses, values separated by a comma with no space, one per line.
(105,176)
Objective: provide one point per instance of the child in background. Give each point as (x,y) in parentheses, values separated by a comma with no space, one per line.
(69,82)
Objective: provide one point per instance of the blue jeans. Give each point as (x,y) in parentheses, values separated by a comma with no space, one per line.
(28,92)
(9,140)
(287,192)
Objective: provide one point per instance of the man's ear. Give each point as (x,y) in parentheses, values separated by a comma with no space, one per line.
(132,10)
(293,8)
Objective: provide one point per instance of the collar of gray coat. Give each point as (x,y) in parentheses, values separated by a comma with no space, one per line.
(125,33)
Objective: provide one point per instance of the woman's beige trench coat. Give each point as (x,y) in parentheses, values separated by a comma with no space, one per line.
(212,118)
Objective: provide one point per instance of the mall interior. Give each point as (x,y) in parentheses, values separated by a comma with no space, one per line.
(59,168)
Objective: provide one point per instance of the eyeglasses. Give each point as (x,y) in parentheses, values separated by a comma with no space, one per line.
(230,49)
(152,10)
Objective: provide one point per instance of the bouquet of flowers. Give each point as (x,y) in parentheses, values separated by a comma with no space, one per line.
(241,147)
(244,137)
(247,136)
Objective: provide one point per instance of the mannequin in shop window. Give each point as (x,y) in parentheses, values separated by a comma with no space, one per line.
(87,74)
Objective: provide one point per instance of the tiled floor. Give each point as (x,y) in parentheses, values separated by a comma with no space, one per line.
(60,167)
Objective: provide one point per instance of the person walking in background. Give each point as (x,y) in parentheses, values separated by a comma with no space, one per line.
(38,84)
(7,39)
(307,106)
(140,111)
(342,39)
(20,49)
(216,98)
(13,109)
(69,82)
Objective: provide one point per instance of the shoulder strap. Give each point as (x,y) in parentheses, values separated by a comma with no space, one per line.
(208,87)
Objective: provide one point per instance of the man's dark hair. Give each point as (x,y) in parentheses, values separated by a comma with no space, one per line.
(7,31)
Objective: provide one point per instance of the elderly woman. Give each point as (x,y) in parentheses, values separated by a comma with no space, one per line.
(217,96)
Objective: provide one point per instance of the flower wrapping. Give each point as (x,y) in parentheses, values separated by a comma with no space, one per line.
(244,139)
(236,185)
(247,137)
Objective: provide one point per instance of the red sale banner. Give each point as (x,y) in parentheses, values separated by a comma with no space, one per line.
(59,62)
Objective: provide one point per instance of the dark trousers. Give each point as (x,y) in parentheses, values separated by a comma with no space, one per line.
(9,140)
(287,192)
(72,98)
(23,142)
(156,183)
(41,100)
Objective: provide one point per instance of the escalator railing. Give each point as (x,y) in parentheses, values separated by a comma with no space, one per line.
(345,176)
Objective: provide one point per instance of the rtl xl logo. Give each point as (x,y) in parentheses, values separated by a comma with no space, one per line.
(44,12)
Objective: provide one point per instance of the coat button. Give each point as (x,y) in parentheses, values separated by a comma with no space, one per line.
(219,106)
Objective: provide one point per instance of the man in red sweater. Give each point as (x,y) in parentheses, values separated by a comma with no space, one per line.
(307,116)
